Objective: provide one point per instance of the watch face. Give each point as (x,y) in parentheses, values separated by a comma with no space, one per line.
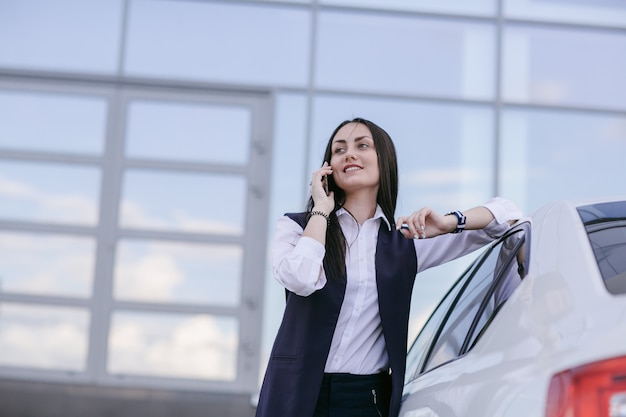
(460,221)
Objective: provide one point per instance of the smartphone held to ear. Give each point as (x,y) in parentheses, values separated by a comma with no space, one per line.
(325,184)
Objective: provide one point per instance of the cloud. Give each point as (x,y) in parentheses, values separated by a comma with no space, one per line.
(16,189)
(151,277)
(195,347)
(174,271)
(134,215)
(41,337)
(36,204)
(615,131)
(65,265)
(553,91)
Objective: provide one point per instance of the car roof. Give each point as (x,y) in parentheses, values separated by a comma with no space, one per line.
(576,203)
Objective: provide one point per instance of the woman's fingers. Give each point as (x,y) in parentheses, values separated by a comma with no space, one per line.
(318,175)
(318,192)
(411,226)
(415,226)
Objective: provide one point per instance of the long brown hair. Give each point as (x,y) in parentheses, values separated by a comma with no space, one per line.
(335,258)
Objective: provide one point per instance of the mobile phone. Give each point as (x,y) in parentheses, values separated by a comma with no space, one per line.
(325,184)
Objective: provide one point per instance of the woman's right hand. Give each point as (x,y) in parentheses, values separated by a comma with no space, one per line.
(321,201)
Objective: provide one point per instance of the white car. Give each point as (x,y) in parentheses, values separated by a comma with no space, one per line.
(535,327)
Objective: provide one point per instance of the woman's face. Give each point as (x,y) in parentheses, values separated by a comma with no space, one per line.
(354,159)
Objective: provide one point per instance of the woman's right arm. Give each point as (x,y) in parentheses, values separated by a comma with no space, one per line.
(298,255)
(322,208)
(297,259)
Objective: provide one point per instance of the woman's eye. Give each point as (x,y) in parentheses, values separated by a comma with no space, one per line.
(364,145)
(338,150)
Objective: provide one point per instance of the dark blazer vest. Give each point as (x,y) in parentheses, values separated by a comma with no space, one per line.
(296,365)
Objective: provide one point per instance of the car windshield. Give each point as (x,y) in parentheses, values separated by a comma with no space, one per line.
(606,228)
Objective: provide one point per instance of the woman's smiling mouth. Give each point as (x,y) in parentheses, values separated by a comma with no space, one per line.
(350,168)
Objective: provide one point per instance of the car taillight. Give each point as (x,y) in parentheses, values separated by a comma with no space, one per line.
(594,390)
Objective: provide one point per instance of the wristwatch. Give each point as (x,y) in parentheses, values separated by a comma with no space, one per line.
(460,224)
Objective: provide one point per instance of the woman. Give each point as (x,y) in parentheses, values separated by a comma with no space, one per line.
(348,269)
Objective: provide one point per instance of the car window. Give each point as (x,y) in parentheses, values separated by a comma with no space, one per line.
(605,224)
(494,278)
(419,348)
(509,271)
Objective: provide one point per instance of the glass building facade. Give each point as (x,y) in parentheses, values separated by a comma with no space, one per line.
(147,148)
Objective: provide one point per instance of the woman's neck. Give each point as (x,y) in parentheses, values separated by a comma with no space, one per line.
(361,207)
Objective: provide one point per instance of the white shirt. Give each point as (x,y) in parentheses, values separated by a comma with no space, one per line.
(358,345)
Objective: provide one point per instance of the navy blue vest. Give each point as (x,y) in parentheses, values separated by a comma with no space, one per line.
(296,365)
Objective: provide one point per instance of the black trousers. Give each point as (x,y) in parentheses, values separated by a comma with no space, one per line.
(347,395)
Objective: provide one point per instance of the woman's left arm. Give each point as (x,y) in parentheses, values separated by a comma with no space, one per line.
(482,225)
(425,223)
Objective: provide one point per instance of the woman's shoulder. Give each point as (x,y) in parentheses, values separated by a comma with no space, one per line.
(300,217)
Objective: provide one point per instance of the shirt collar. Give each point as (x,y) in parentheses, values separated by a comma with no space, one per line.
(377,214)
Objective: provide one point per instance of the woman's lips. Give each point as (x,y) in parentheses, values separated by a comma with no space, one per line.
(350,168)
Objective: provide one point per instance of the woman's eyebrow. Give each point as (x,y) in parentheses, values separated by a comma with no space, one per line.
(357,139)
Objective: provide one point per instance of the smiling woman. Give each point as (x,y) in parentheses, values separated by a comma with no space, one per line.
(348,269)
(354,159)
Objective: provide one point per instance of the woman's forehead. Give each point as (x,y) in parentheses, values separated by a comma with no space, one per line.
(352,131)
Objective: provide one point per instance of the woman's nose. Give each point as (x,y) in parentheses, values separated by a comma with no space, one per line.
(350,154)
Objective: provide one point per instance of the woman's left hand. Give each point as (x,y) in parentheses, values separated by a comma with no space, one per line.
(425,223)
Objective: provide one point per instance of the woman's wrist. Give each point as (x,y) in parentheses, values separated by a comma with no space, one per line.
(324,210)
(457,221)
(320,213)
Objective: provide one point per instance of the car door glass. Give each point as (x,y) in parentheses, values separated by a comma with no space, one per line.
(509,271)
(419,348)
(481,285)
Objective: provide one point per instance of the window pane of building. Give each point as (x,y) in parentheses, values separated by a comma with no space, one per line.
(64,266)
(445,151)
(64,123)
(66,35)
(173,345)
(289,184)
(219,42)
(596,12)
(172,272)
(49,192)
(473,7)
(194,203)
(549,155)
(53,338)
(358,51)
(196,132)
(565,67)
(290,174)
